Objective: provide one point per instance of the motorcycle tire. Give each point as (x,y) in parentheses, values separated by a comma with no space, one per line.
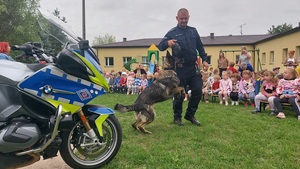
(91,156)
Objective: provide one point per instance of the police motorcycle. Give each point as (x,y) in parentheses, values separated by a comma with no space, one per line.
(44,108)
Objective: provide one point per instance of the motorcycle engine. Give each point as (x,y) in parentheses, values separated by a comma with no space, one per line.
(18,135)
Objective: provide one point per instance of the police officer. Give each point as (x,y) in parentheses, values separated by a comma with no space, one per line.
(189,40)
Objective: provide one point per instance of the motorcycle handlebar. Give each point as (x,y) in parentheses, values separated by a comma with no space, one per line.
(33,49)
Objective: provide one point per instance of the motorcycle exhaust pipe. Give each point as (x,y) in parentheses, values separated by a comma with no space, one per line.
(54,134)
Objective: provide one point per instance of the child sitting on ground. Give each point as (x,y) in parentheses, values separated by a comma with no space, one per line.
(215,87)
(268,92)
(211,77)
(234,94)
(144,82)
(112,82)
(150,79)
(288,92)
(130,82)
(259,80)
(225,88)
(123,83)
(247,88)
(137,84)
(206,86)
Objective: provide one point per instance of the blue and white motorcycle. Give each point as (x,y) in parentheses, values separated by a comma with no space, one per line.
(44,107)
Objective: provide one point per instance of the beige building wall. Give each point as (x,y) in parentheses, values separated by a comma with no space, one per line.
(232,53)
(119,53)
(274,52)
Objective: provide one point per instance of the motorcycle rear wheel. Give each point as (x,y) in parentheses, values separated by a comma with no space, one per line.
(92,156)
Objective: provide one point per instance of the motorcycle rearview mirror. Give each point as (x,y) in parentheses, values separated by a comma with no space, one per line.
(27,48)
(83,45)
(37,44)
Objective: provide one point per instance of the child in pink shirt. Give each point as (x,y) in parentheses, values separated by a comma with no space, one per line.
(144,82)
(268,92)
(288,92)
(225,88)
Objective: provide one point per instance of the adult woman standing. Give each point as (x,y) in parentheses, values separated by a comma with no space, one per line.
(291,61)
(222,63)
(4,51)
(245,58)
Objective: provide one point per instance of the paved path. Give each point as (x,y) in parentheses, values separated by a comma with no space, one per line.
(56,162)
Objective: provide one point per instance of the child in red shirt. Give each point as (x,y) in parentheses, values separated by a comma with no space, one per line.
(123,83)
(231,68)
(215,87)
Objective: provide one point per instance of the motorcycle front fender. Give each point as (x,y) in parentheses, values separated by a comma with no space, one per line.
(102,111)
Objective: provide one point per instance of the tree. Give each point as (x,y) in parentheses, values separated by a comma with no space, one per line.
(18,21)
(57,14)
(280,29)
(106,39)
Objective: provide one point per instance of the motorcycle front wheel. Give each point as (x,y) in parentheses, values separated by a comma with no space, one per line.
(79,151)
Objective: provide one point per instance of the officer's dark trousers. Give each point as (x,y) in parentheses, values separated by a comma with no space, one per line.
(195,85)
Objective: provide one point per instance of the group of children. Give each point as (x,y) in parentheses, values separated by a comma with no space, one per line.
(251,88)
(128,82)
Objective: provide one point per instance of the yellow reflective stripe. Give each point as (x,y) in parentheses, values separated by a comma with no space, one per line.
(99,121)
(98,79)
(66,107)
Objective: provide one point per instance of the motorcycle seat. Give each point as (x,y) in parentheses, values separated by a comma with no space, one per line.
(35,66)
(5,80)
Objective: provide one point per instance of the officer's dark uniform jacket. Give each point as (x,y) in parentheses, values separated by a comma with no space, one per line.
(189,40)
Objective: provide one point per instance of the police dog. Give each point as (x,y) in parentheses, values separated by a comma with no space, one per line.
(163,88)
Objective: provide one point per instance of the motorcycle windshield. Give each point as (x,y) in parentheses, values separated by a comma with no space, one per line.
(56,28)
(59,30)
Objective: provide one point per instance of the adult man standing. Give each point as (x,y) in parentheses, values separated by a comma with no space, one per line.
(188,40)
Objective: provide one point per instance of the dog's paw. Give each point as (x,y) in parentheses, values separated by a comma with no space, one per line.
(142,129)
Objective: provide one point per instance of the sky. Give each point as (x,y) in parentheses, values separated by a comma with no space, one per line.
(138,19)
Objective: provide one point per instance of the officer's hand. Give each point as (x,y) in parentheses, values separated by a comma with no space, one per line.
(171,42)
(205,64)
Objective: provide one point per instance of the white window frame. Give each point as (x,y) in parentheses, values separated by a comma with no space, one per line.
(272,58)
(108,61)
(126,59)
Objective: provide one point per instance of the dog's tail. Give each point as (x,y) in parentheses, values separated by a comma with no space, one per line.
(122,109)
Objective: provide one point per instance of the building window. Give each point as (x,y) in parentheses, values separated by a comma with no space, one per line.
(208,59)
(297,53)
(109,61)
(126,59)
(237,57)
(271,59)
(263,58)
(284,54)
(145,60)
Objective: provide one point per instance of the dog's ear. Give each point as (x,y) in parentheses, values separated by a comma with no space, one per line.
(170,58)
(168,54)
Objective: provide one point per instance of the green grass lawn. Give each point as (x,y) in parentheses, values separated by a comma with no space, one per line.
(229,137)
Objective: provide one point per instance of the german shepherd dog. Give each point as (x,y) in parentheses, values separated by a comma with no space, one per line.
(163,88)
